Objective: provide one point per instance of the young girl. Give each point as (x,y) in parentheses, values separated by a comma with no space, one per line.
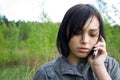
(81,42)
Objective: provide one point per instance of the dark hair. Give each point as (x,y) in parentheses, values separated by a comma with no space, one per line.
(73,22)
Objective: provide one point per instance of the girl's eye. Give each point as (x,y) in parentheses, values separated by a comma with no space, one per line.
(93,35)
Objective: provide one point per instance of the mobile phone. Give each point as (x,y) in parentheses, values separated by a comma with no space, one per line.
(91,52)
(94,52)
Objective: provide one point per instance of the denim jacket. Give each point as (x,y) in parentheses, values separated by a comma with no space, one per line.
(61,69)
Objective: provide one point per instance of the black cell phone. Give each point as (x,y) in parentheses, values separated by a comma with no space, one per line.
(92,52)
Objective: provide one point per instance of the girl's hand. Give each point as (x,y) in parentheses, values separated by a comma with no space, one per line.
(97,62)
(99,58)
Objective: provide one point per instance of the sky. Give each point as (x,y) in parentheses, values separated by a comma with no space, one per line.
(31,10)
(20,9)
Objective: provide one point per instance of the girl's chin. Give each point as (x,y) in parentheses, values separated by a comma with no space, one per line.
(83,56)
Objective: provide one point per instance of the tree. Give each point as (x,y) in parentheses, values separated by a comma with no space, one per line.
(107,9)
(5,20)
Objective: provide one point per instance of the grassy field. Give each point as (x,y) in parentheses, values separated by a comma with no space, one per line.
(16,73)
(27,46)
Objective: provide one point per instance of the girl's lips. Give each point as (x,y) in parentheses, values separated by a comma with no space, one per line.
(83,50)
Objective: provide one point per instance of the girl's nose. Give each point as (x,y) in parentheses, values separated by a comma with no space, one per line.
(84,39)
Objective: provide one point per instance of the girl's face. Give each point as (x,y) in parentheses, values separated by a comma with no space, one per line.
(82,43)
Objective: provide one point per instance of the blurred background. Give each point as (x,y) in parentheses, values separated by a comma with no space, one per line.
(28,30)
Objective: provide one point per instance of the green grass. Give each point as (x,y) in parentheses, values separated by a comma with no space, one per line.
(16,73)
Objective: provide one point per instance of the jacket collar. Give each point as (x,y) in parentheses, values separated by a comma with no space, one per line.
(67,68)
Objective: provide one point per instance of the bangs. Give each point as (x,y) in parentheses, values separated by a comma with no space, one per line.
(78,20)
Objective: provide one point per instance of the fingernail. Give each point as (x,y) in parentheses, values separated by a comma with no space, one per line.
(96,45)
(100,36)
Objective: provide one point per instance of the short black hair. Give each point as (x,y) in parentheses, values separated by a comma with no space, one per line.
(73,22)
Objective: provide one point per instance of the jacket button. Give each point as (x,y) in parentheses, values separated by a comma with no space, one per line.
(70,70)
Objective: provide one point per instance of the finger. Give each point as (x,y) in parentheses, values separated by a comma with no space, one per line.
(102,44)
(99,48)
(102,50)
(97,44)
(101,39)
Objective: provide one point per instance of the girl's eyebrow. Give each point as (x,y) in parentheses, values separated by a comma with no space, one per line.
(91,30)
(94,29)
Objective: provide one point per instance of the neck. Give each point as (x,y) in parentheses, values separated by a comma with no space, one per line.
(73,60)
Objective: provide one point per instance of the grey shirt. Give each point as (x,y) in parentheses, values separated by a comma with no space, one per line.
(61,69)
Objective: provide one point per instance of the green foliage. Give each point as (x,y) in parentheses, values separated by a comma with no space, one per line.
(32,44)
(113,41)
(21,41)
